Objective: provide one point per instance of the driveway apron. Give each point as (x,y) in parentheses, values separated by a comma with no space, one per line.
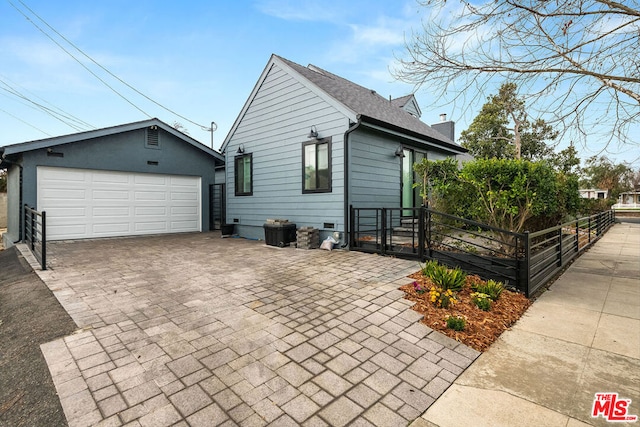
(195,330)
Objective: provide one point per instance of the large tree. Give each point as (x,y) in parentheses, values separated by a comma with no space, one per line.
(578,59)
(602,173)
(504,130)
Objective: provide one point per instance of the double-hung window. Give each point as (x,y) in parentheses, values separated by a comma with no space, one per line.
(244,175)
(316,166)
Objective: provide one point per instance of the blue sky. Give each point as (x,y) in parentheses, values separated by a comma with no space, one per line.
(200,59)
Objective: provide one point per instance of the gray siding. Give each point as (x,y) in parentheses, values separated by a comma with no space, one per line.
(220,176)
(374,170)
(273,129)
(124,152)
(438,155)
(412,108)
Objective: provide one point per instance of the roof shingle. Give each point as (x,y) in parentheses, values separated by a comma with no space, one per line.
(366,102)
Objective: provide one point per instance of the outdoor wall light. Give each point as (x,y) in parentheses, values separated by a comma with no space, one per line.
(314,132)
(399,151)
(240,149)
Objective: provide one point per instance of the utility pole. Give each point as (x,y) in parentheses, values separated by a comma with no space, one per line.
(212,129)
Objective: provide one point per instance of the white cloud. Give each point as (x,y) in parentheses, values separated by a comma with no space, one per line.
(306,10)
(384,34)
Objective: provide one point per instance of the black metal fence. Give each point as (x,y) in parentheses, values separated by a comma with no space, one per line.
(524,261)
(551,249)
(35,234)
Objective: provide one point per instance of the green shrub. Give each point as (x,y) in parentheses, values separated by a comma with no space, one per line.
(457,323)
(482,301)
(491,288)
(429,268)
(447,278)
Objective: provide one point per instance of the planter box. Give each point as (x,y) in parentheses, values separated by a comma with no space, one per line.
(227,229)
(279,234)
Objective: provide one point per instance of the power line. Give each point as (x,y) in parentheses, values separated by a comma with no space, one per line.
(60,115)
(105,69)
(72,56)
(26,123)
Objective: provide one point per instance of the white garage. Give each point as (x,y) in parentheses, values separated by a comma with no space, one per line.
(83,203)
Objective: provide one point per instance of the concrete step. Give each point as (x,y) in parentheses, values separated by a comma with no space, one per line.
(405,231)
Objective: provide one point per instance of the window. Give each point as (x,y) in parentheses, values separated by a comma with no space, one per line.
(244,175)
(316,166)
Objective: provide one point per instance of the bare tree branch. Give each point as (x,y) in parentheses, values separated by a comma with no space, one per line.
(578,59)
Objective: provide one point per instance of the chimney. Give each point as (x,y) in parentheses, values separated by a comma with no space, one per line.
(445,127)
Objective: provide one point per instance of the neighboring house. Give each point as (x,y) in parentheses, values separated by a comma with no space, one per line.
(133,179)
(308,144)
(628,200)
(594,193)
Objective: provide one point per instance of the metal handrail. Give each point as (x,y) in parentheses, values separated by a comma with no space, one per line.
(35,234)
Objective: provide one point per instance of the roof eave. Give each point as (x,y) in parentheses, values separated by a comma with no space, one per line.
(92,134)
(446,144)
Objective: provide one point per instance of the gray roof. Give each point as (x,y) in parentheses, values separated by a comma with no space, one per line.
(367,103)
(400,102)
(82,136)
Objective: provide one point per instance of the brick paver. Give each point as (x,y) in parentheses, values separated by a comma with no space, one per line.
(196,330)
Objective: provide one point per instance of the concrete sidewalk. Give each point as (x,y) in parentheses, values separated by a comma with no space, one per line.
(581,337)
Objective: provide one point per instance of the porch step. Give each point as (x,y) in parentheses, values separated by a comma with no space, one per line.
(406,222)
(405,231)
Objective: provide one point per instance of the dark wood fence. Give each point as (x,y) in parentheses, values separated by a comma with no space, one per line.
(523,261)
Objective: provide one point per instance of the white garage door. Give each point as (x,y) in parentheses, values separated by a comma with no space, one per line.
(90,203)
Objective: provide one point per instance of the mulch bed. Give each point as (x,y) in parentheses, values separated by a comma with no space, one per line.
(30,315)
(483,327)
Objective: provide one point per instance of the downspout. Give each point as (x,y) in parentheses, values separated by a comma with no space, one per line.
(346,181)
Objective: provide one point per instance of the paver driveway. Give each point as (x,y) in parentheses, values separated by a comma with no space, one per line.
(197,330)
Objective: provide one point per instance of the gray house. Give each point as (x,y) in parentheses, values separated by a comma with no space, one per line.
(133,179)
(308,143)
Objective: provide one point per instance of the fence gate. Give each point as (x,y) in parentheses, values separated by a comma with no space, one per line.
(217,207)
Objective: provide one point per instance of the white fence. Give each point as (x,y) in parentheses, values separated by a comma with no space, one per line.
(622,206)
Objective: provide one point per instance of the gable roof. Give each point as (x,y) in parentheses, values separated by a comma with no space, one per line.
(402,101)
(367,103)
(357,102)
(22,147)
(407,103)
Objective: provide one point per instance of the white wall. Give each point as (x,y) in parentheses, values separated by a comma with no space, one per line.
(3,210)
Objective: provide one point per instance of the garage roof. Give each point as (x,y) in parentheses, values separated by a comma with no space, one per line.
(8,150)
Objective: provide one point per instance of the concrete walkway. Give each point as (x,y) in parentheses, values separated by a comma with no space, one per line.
(194,330)
(579,338)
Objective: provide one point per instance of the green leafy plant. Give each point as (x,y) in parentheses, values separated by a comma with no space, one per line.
(457,323)
(491,288)
(482,301)
(447,278)
(429,268)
